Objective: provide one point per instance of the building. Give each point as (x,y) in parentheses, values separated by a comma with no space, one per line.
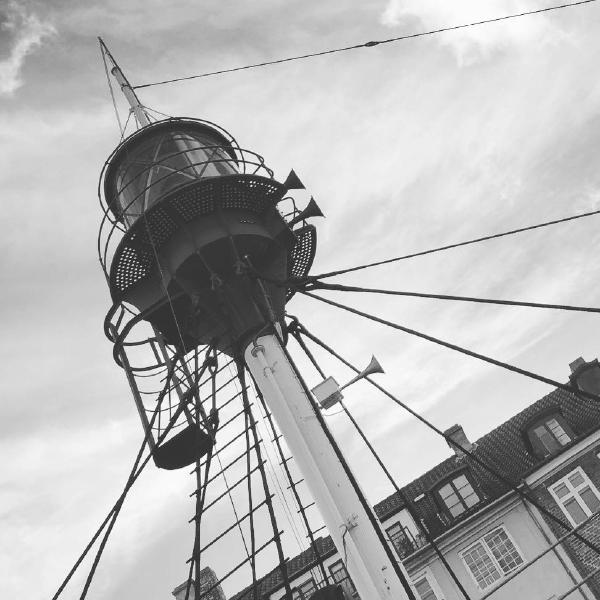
(495,542)
(209,586)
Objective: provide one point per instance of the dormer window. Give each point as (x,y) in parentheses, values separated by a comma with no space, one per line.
(458,495)
(549,435)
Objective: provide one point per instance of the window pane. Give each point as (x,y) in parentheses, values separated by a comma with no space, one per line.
(504,550)
(481,566)
(576,479)
(559,432)
(561,490)
(590,498)
(577,513)
(471,500)
(451,500)
(456,509)
(446,491)
(424,590)
(460,482)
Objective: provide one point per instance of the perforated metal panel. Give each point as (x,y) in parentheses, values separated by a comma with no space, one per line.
(135,257)
(302,254)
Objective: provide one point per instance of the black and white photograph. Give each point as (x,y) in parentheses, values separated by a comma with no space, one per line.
(299,300)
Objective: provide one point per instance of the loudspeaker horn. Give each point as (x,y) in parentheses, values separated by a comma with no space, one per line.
(293,182)
(311,210)
(372,367)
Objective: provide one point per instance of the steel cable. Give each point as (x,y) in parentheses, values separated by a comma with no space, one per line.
(365,44)
(456,347)
(348,288)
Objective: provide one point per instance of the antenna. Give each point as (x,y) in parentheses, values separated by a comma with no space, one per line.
(136,106)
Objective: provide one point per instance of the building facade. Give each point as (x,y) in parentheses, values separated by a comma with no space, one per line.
(494,542)
(209,587)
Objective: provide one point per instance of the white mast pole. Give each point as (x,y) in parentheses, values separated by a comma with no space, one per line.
(352,523)
(128,92)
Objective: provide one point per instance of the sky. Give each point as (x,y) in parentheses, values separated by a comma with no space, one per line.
(405,147)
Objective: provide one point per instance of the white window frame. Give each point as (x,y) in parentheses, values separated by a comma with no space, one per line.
(431,580)
(573,493)
(461,499)
(481,540)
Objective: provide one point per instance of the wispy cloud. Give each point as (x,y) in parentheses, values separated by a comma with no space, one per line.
(27,32)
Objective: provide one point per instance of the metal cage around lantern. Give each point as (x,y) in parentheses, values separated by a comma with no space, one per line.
(158,181)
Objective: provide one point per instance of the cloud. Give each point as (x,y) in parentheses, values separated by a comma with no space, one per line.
(27,32)
(474,45)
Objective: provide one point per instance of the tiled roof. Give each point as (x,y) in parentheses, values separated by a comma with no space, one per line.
(295,566)
(504,448)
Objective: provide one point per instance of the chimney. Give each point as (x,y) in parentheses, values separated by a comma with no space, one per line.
(585,376)
(457,434)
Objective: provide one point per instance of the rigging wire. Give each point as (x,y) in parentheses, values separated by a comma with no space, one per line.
(247,417)
(112,94)
(283,566)
(275,478)
(457,348)
(293,486)
(125,126)
(452,246)
(469,453)
(349,288)
(275,481)
(366,44)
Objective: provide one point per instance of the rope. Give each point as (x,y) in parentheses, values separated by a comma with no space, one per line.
(451,246)
(348,288)
(457,348)
(366,44)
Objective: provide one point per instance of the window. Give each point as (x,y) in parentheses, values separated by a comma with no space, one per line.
(427,588)
(549,435)
(458,495)
(576,495)
(400,540)
(305,590)
(492,557)
(340,575)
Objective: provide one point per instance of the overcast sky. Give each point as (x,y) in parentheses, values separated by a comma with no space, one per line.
(405,146)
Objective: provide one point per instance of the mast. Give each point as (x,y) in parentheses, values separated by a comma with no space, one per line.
(214,249)
(129,93)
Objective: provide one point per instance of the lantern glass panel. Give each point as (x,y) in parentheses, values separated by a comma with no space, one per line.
(164,162)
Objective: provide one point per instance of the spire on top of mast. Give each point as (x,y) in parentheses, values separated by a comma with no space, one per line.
(137,107)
